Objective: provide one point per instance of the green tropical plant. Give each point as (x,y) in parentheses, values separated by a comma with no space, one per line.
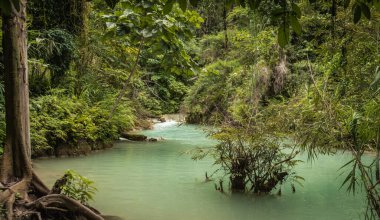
(253,162)
(78,187)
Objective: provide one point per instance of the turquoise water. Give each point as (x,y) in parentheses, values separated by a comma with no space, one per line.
(139,181)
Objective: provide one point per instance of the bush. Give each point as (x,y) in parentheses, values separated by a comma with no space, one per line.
(60,120)
(253,163)
(78,187)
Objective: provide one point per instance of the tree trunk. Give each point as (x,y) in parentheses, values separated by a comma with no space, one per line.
(16,163)
(238,183)
(16,169)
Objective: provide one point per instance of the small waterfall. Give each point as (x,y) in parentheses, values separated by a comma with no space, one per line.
(175,117)
(168,123)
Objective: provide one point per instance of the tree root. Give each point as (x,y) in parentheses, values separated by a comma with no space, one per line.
(61,203)
(9,206)
(39,187)
(31,199)
(20,188)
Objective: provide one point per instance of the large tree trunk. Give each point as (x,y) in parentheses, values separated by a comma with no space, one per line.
(16,163)
(16,168)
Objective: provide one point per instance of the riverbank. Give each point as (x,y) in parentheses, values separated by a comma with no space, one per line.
(85,147)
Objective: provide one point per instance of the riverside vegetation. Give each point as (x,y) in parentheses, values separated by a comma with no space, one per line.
(275,78)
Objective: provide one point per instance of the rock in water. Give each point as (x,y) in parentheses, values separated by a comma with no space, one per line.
(134,137)
(153,139)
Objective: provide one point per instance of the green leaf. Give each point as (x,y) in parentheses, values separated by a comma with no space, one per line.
(348,177)
(366,11)
(146,33)
(110,25)
(168,6)
(346,164)
(283,34)
(295,25)
(357,13)
(182,4)
(296,10)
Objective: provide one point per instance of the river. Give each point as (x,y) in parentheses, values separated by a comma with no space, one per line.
(156,180)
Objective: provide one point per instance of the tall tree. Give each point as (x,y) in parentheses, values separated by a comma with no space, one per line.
(16,168)
(16,163)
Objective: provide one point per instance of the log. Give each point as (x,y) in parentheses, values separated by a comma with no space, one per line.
(134,137)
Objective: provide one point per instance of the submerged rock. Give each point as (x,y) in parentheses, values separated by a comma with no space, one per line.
(134,137)
(153,139)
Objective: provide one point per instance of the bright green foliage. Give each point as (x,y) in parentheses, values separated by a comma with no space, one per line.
(166,61)
(249,72)
(166,93)
(78,187)
(207,102)
(321,92)
(235,91)
(286,14)
(136,22)
(57,120)
(79,63)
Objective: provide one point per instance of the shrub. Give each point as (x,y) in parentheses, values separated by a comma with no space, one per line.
(253,163)
(60,120)
(78,187)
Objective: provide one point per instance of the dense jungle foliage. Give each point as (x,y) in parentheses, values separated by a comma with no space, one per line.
(321,91)
(82,56)
(275,78)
